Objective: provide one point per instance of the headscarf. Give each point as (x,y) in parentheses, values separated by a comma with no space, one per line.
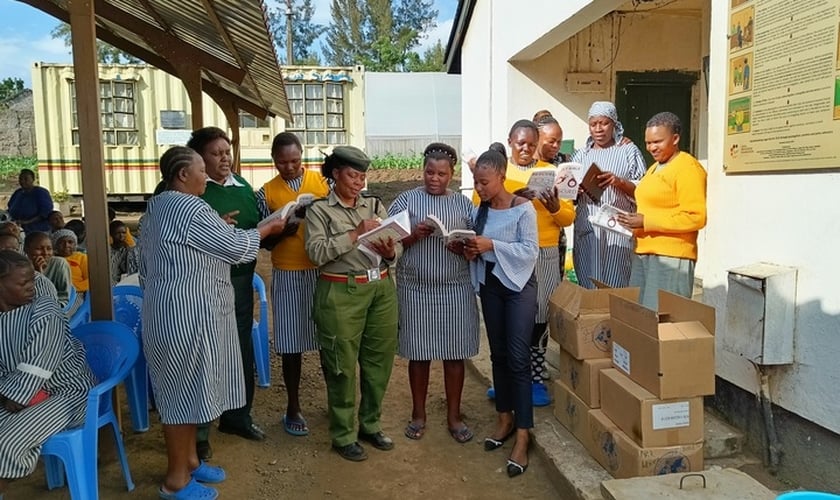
(59,235)
(606,109)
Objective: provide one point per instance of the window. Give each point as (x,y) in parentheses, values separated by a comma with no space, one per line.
(247,120)
(116,110)
(317,112)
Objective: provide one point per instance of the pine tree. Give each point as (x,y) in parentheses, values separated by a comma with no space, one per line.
(304,31)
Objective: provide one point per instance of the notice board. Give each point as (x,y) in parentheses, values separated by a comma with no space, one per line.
(783,86)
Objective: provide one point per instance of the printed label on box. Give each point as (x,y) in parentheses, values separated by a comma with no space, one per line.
(671,415)
(621,358)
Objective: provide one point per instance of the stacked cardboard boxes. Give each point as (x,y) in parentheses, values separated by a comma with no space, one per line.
(647,416)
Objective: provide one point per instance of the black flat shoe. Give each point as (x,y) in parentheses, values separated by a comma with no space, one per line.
(353,452)
(514,469)
(252,432)
(491,444)
(203,450)
(378,439)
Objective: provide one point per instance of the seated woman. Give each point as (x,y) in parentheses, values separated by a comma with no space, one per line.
(64,245)
(38,247)
(44,379)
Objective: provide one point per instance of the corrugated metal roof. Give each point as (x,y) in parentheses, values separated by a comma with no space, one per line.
(228,38)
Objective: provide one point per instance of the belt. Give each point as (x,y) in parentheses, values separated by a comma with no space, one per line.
(358,278)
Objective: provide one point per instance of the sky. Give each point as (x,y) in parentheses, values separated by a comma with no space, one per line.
(25,35)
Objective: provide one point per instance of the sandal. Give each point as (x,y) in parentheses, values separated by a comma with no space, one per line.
(192,491)
(462,434)
(206,473)
(415,429)
(295,426)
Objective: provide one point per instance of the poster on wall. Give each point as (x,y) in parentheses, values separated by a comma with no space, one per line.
(783,86)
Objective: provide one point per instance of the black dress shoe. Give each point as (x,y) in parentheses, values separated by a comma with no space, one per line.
(378,439)
(353,452)
(252,431)
(203,450)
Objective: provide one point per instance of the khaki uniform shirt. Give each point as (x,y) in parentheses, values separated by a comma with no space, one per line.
(327,234)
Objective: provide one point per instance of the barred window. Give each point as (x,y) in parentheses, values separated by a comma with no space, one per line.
(317,113)
(116,110)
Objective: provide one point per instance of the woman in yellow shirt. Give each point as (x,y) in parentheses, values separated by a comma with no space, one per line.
(294,276)
(671,201)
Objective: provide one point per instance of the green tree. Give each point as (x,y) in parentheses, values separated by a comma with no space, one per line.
(381,34)
(304,31)
(433,59)
(10,87)
(106,53)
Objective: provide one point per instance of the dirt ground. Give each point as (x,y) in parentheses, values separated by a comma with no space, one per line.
(293,467)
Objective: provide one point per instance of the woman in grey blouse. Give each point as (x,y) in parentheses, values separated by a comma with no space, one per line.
(502,258)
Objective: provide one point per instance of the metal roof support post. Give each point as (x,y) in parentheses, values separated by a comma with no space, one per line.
(91,155)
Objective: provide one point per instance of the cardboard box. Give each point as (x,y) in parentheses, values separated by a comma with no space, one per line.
(581,376)
(579,318)
(623,458)
(670,353)
(572,412)
(650,421)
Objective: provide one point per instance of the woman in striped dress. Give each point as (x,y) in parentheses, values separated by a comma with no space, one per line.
(599,253)
(294,276)
(432,279)
(502,261)
(189,325)
(44,378)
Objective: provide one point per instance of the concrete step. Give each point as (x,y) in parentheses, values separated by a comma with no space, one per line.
(724,484)
(721,440)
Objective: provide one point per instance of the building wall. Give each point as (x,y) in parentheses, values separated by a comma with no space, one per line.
(133,169)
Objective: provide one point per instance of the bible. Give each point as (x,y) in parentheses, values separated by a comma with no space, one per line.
(448,236)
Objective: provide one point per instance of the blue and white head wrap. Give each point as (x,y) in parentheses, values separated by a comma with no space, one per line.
(606,109)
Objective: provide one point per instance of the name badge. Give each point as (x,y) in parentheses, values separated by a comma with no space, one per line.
(374,274)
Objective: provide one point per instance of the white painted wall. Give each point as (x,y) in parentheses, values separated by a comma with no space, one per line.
(786,219)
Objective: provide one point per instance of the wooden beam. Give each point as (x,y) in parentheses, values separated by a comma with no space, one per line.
(91,154)
(167,45)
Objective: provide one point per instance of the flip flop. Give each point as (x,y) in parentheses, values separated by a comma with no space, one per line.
(462,434)
(192,491)
(295,426)
(206,473)
(415,429)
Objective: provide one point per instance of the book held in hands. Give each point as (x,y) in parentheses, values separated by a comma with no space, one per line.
(606,217)
(287,211)
(448,236)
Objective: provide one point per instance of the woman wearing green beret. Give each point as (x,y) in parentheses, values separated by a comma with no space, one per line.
(355,304)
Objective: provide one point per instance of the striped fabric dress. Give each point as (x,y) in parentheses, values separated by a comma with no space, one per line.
(437,303)
(189,327)
(38,353)
(600,253)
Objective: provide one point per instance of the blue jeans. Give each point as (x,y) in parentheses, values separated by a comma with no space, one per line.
(509,320)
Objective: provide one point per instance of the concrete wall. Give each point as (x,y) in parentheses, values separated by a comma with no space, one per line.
(17,126)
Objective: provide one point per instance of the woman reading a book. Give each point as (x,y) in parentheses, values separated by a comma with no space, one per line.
(233,198)
(502,261)
(293,276)
(671,200)
(431,277)
(189,315)
(599,253)
(355,303)
(553,214)
(44,378)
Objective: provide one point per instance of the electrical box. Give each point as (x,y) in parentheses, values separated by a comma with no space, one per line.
(587,82)
(760,313)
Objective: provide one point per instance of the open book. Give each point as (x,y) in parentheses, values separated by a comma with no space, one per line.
(565,178)
(447,235)
(287,211)
(605,217)
(589,183)
(395,227)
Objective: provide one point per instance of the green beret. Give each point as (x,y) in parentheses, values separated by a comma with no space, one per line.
(350,156)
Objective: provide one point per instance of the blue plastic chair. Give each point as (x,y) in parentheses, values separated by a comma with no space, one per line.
(111,351)
(82,314)
(259,336)
(128,310)
(807,495)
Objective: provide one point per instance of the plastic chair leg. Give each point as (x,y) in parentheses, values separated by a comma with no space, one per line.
(137,392)
(261,357)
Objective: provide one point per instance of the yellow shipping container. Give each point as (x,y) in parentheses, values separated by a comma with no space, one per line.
(145,110)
